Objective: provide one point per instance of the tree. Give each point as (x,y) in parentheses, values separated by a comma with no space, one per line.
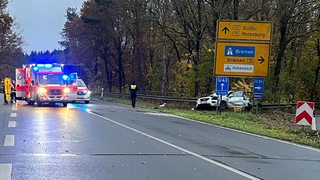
(10,44)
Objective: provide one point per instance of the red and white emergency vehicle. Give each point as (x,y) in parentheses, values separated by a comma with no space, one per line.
(45,83)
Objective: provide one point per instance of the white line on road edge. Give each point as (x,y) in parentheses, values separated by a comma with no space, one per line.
(5,171)
(13,115)
(12,124)
(9,140)
(181,149)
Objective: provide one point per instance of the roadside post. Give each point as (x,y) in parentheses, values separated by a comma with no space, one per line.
(222,88)
(102,92)
(305,114)
(258,89)
(317,122)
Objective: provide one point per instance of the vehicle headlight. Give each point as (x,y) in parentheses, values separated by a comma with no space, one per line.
(42,90)
(66,90)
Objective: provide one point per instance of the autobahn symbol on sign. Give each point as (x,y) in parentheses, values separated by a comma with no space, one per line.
(305,113)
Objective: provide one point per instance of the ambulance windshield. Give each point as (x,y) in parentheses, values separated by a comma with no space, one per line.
(46,79)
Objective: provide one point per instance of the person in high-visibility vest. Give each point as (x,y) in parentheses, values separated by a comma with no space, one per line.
(7,90)
(133,93)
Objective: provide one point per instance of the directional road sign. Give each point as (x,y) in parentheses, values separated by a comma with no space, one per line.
(258,88)
(242,59)
(244,30)
(243,48)
(222,85)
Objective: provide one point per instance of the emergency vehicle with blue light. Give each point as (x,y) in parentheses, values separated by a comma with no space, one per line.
(45,84)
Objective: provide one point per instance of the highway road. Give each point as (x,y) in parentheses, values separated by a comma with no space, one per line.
(105,140)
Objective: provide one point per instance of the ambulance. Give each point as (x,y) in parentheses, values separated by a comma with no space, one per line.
(45,84)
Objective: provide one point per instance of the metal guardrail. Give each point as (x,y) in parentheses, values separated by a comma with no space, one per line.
(152,97)
(193,100)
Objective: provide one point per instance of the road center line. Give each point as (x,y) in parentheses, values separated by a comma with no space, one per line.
(5,171)
(181,149)
(14,106)
(13,115)
(9,140)
(12,124)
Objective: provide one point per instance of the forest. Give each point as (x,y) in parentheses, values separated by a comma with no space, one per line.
(168,46)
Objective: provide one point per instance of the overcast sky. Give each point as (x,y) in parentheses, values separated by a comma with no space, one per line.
(41,21)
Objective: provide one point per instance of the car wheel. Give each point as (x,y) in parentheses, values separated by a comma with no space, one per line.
(87,102)
(223,105)
(65,104)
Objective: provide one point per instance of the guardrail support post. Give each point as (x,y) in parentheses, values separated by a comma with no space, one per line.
(101,92)
(256,104)
(317,122)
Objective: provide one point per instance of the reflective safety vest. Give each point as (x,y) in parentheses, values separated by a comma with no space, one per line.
(133,87)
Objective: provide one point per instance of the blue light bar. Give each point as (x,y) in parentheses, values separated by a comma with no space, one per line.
(64,77)
(48,66)
(35,68)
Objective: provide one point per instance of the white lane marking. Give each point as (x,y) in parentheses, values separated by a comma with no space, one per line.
(9,140)
(14,106)
(5,171)
(12,124)
(13,115)
(181,149)
(160,114)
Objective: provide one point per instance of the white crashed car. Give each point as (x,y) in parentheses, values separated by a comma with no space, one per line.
(233,99)
(207,102)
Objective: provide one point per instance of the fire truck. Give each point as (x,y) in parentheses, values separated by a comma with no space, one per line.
(45,84)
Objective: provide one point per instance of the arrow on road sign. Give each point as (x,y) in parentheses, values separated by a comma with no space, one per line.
(258,87)
(261,59)
(222,85)
(225,29)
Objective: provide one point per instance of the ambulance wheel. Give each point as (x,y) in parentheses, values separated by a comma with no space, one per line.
(65,104)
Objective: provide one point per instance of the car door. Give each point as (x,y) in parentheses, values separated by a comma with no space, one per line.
(236,99)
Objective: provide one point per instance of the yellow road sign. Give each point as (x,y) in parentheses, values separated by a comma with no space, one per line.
(242,59)
(244,30)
